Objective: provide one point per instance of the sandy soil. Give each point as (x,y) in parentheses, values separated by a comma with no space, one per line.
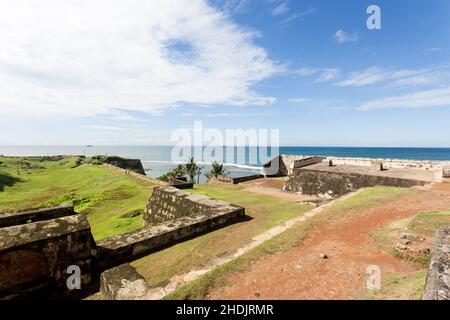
(302,273)
(274,188)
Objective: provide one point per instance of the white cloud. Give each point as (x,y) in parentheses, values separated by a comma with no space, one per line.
(398,77)
(91,57)
(342,37)
(236,6)
(298,100)
(296,15)
(107,128)
(323,74)
(421,99)
(328,74)
(280,9)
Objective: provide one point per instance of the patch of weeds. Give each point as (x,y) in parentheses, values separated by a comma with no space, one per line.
(398,287)
(426,223)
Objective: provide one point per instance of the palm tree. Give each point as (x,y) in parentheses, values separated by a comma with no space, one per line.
(178,172)
(216,170)
(191,169)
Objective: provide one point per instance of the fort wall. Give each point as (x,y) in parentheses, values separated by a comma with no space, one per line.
(435,165)
(437,286)
(35,256)
(334,184)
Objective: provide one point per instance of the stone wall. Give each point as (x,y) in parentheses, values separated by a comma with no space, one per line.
(446,171)
(180,183)
(388,163)
(275,167)
(437,286)
(32,215)
(333,184)
(134,165)
(237,180)
(34,256)
(169,203)
(38,246)
(172,215)
(123,283)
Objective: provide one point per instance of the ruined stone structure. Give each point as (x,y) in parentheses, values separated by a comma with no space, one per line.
(123,283)
(231,180)
(180,183)
(275,167)
(446,171)
(171,216)
(169,203)
(38,246)
(332,182)
(437,285)
(429,165)
(134,165)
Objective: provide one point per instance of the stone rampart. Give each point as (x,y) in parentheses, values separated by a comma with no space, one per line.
(334,184)
(169,203)
(35,256)
(171,216)
(231,180)
(437,286)
(435,165)
(33,215)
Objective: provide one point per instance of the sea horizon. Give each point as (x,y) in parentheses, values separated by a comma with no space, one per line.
(157,159)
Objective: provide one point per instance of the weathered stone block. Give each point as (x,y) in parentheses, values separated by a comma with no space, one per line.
(169,203)
(33,215)
(122,283)
(437,285)
(39,253)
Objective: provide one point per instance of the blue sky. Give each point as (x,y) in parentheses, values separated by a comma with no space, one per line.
(83,73)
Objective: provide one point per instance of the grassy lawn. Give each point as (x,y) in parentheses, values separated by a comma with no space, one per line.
(107,196)
(266,213)
(217,278)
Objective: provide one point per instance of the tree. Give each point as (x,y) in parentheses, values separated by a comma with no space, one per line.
(192,169)
(216,170)
(177,172)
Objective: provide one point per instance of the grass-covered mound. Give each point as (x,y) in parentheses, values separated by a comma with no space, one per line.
(112,200)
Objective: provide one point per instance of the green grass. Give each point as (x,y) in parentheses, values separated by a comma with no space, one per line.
(101,192)
(426,223)
(423,224)
(398,287)
(266,213)
(217,278)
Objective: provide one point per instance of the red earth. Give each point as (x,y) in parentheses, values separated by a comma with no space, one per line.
(302,272)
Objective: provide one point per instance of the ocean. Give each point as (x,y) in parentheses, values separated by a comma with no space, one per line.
(239,161)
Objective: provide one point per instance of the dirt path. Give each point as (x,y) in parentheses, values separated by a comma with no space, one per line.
(274,188)
(179,280)
(301,272)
